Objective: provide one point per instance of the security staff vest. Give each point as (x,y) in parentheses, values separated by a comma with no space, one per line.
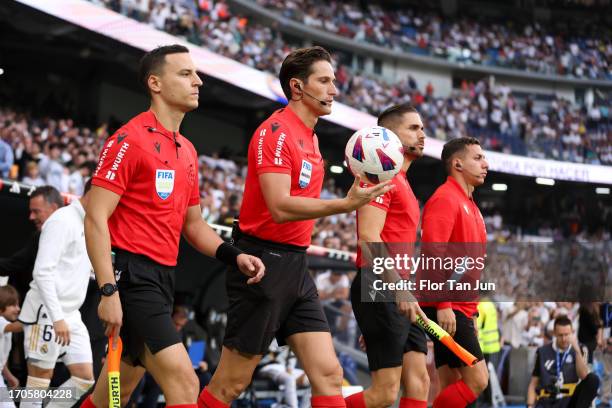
(488,332)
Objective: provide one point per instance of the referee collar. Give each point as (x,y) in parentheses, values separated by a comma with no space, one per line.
(457,186)
(296,119)
(150,122)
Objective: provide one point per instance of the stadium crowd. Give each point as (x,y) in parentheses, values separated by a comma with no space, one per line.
(503,121)
(57,152)
(527,47)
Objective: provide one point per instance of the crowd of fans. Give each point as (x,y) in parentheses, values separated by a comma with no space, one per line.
(503,121)
(528,47)
(48,151)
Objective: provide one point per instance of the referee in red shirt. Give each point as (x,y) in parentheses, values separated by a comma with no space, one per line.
(145,194)
(396,349)
(451,216)
(280,204)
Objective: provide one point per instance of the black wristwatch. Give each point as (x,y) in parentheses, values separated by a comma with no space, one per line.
(108,289)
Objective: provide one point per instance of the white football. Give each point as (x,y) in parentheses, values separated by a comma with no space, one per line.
(375,153)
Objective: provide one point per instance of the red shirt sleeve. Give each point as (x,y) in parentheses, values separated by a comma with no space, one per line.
(118,161)
(273,148)
(438,219)
(382,201)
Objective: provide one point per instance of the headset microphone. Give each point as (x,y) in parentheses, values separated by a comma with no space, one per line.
(307,94)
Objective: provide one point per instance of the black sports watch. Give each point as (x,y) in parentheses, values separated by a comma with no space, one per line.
(108,289)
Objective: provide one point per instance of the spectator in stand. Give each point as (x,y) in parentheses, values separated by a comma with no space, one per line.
(280,366)
(33,175)
(52,169)
(333,286)
(514,323)
(6,159)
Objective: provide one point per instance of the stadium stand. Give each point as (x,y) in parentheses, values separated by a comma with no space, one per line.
(578,50)
(505,122)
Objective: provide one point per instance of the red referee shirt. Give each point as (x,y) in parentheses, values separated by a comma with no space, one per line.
(157,181)
(402,219)
(281,144)
(451,216)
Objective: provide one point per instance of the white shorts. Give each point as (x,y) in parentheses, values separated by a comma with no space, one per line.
(39,343)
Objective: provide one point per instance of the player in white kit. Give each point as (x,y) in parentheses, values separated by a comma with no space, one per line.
(53,329)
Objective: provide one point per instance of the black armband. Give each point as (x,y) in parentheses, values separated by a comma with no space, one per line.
(228,254)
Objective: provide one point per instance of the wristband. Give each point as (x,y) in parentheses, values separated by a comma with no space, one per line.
(228,254)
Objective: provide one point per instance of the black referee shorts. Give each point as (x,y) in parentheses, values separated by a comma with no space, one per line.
(283,303)
(465,336)
(146,290)
(387,333)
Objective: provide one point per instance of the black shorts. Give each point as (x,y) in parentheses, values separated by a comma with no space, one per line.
(387,333)
(146,290)
(284,303)
(465,336)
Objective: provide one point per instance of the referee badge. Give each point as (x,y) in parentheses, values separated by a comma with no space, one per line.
(305,174)
(164,183)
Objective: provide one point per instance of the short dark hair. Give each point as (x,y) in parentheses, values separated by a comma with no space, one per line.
(562,320)
(454,146)
(8,297)
(49,194)
(153,61)
(391,116)
(298,64)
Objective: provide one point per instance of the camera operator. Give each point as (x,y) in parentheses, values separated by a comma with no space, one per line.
(561,377)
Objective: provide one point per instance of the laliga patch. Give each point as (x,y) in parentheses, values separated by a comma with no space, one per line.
(164,183)
(305,174)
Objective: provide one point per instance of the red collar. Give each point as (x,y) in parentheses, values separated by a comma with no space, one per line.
(150,122)
(296,119)
(451,180)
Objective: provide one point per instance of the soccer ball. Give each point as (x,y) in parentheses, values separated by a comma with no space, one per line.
(375,153)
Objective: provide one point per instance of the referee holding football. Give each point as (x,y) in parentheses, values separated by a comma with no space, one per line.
(279,208)
(452,221)
(145,194)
